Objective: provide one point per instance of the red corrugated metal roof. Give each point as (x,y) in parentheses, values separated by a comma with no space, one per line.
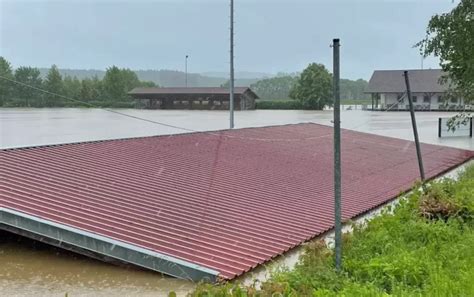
(227,200)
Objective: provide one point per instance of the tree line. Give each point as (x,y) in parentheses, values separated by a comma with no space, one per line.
(279,88)
(111,90)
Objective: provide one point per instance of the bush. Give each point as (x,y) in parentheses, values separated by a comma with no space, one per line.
(399,253)
(113,104)
(278,104)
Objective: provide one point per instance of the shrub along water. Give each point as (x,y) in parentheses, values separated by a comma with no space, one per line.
(278,104)
(422,247)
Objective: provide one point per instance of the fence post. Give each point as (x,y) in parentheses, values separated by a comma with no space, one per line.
(439,127)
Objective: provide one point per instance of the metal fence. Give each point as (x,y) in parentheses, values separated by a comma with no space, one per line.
(458,128)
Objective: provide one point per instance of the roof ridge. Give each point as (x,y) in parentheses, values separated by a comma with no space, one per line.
(152,136)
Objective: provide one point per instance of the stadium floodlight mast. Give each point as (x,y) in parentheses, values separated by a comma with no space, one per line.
(186,71)
(231,79)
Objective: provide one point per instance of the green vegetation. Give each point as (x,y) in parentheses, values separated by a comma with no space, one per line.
(278,104)
(111,91)
(295,104)
(353,89)
(449,36)
(355,101)
(275,88)
(422,247)
(313,89)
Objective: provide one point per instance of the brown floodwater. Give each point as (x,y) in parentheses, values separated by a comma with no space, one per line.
(29,268)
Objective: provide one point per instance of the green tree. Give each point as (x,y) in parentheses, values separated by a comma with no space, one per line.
(314,87)
(86,90)
(5,85)
(275,88)
(353,89)
(31,77)
(97,89)
(226,84)
(450,36)
(72,87)
(130,80)
(53,84)
(148,84)
(118,82)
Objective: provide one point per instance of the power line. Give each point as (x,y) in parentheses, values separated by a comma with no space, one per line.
(95,106)
(183,128)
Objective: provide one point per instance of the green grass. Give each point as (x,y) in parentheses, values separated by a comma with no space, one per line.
(422,247)
(356,102)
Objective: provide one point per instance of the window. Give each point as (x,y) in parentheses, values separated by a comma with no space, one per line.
(440,99)
(454,100)
(399,96)
(426,99)
(414,98)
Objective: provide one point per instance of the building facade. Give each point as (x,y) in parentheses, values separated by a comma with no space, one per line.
(388,91)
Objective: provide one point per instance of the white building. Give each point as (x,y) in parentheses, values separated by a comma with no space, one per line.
(389,91)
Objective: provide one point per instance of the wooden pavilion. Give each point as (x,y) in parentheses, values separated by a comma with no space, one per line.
(194,98)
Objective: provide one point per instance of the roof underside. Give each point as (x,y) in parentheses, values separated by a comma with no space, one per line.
(227,201)
(195,92)
(393,81)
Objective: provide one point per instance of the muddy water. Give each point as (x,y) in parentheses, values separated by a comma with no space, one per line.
(26,127)
(31,269)
(27,269)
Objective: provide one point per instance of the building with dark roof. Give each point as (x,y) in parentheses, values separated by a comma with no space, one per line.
(194,98)
(389,91)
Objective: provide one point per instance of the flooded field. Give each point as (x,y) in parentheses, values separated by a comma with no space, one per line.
(30,269)
(27,127)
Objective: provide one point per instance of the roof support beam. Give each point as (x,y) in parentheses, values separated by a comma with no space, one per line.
(104,247)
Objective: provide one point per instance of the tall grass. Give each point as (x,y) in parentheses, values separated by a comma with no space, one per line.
(424,247)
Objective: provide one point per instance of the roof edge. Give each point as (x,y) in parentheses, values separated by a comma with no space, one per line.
(106,246)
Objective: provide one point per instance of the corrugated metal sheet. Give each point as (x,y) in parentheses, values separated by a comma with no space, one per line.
(226,200)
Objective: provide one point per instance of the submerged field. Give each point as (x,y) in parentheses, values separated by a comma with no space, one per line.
(422,247)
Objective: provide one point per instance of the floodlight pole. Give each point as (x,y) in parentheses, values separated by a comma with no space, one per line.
(415,131)
(337,158)
(231,79)
(186,71)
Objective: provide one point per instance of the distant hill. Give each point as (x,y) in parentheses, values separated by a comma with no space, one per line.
(240,74)
(166,78)
(269,87)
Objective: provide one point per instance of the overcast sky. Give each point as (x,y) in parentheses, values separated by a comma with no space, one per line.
(271,36)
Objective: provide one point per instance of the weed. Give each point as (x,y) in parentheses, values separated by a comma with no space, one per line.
(421,247)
